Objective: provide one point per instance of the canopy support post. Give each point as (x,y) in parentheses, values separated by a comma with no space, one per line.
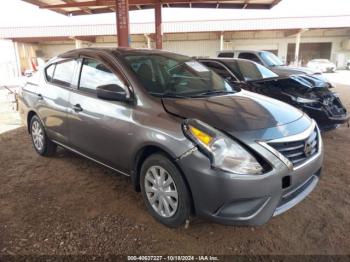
(158,21)
(122,17)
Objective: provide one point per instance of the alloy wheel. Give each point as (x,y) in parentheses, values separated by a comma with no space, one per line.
(37,135)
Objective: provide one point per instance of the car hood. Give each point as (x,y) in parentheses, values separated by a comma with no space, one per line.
(289,70)
(243,111)
(311,81)
(297,83)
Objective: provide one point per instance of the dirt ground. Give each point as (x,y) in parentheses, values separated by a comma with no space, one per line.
(70,205)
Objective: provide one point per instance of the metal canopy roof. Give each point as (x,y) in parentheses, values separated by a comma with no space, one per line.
(83,7)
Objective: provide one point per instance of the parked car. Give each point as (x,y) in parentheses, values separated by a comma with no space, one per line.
(271,61)
(190,142)
(309,94)
(348,65)
(323,65)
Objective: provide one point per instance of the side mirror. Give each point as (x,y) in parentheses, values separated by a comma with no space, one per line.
(113,92)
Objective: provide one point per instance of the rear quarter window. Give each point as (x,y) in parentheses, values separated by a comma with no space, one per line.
(49,72)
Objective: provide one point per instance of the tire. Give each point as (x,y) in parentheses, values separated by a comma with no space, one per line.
(37,132)
(152,167)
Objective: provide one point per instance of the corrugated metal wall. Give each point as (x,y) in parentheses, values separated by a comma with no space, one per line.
(206,44)
(250,24)
(193,48)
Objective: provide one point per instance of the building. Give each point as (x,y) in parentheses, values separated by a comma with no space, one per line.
(317,37)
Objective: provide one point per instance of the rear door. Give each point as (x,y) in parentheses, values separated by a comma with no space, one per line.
(100,129)
(53,95)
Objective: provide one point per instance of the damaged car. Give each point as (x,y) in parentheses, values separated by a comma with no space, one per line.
(271,61)
(310,94)
(192,143)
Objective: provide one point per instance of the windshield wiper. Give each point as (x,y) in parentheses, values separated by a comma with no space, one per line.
(214,92)
(168,95)
(205,93)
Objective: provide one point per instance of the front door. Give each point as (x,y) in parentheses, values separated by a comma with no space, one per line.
(99,128)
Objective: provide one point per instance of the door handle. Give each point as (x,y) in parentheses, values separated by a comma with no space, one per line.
(77,108)
(40,97)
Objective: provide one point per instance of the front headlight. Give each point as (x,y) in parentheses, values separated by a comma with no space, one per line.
(224,153)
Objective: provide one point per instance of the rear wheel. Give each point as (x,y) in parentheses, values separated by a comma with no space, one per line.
(164,191)
(42,144)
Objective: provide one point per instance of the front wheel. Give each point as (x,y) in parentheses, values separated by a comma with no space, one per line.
(164,191)
(42,144)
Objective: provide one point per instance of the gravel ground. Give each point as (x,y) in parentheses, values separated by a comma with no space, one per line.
(70,205)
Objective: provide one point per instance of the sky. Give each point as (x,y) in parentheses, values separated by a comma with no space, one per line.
(18,13)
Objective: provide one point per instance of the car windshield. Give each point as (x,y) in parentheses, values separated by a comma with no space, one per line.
(176,75)
(249,71)
(270,59)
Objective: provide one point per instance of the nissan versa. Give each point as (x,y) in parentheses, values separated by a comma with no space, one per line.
(190,142)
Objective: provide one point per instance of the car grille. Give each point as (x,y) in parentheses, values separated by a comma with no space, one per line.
(298,151)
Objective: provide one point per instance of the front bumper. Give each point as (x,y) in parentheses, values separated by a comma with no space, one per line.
(247,199)
(325,117)
(324,120)
(295,196)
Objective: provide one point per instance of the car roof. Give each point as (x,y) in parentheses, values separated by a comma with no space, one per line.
(119,50)
(226,59)
(241,51)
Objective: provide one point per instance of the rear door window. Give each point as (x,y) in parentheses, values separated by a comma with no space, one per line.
(63,73)
(250,56)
